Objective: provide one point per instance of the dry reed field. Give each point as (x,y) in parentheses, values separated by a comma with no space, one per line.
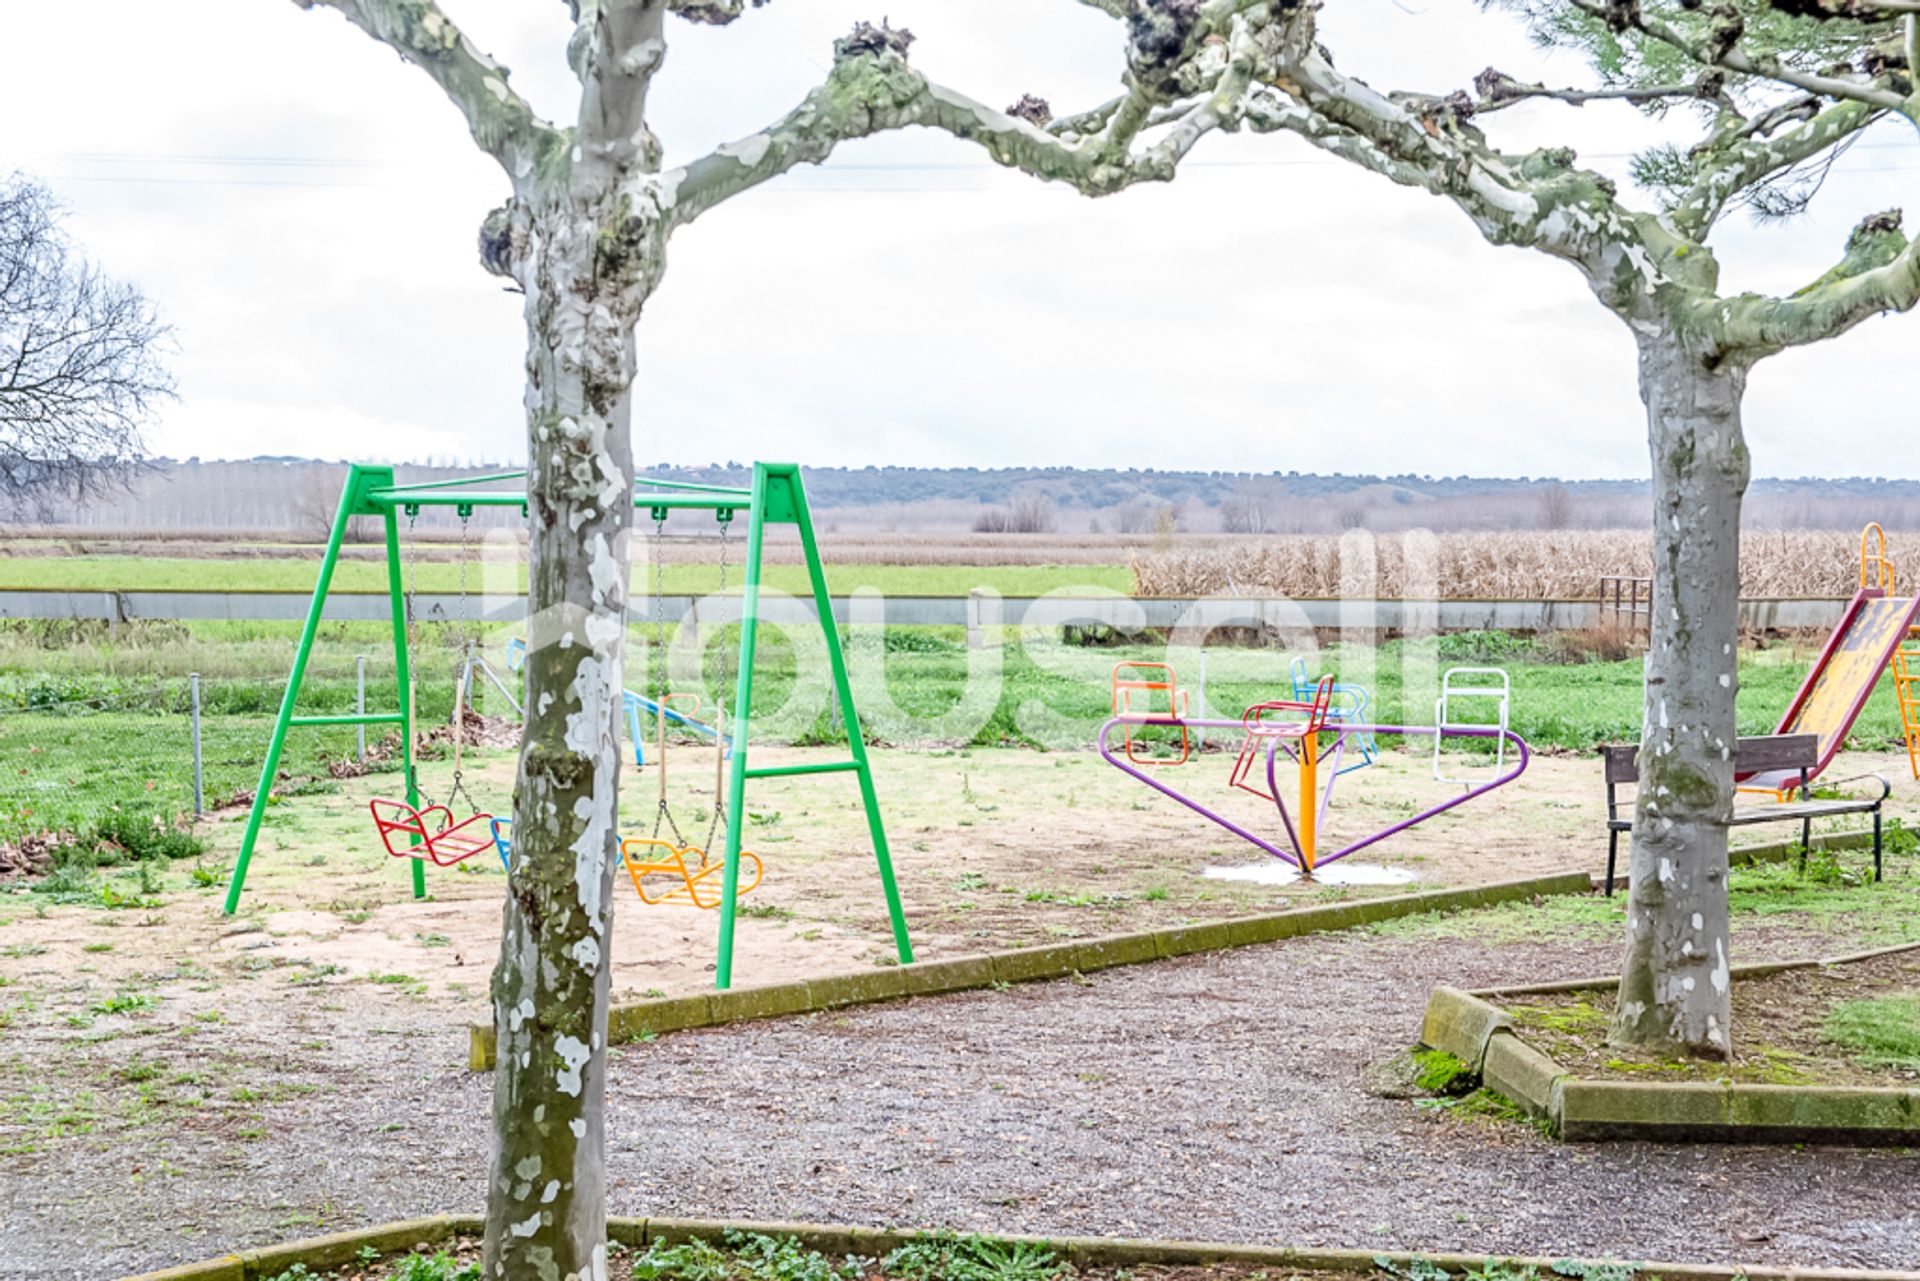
(1562,565)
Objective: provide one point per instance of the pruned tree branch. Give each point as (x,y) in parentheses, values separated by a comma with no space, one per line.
(1730,55)
(715,13)
(617,47)
(1498,90)
(872,87)
(1428,143)
(1726,168)
(500,120)
(1879,273)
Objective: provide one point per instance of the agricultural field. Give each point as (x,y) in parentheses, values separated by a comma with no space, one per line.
(1518,565)
(1452,565)
(123,573)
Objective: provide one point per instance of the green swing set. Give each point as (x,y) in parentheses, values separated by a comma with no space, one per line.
(432,833)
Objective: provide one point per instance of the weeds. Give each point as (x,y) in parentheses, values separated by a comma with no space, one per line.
(947,1257)
(434,1267)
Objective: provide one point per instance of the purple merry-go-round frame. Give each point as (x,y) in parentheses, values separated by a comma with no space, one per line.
(1294,855)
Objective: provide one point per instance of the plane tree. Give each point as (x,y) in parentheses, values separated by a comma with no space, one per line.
(1778,90)
(590,207)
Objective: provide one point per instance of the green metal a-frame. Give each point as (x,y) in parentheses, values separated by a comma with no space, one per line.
(776,497)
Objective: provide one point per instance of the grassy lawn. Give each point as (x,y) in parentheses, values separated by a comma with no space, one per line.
(179,573)
(89,722)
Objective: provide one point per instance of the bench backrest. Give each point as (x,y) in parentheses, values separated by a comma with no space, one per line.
(1750,756)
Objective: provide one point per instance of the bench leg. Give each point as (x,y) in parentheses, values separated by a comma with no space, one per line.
(1613,853)
(1806,841)
(1876,842)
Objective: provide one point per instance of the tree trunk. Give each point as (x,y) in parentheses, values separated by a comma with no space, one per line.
(546,1212)
(1674,991)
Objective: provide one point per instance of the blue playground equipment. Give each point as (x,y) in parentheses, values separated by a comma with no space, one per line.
(1349,705)
(635,705)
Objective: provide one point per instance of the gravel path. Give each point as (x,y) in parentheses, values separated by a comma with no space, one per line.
(1214,1097)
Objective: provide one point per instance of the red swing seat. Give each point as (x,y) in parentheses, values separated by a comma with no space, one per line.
(430,833)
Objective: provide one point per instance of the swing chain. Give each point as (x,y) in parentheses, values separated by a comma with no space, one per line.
(725,517)
(659,654)
(662,813)
(409,582)
(458,792)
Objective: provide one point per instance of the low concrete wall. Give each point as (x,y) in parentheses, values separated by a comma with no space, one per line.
(1024,965)
(1473,1028)
(980,610)
(1082,1252)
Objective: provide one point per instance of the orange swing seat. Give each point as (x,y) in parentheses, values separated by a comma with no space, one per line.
(430,833)
(699,884)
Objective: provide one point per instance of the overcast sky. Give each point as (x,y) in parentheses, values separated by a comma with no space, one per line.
(303,208)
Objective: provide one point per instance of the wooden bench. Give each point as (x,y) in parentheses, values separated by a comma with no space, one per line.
(1792,752)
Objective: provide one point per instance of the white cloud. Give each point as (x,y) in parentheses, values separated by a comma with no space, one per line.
(303,206)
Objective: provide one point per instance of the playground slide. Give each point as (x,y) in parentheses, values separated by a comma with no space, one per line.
(1837,688)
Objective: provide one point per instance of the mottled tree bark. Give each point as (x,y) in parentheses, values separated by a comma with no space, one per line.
(1674,994)
(546,1193)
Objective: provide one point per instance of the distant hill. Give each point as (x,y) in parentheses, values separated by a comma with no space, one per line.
(271,493)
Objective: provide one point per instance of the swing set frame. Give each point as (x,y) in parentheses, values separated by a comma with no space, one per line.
(776,497)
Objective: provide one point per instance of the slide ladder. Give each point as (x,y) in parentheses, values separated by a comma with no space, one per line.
(1876,570)
(1906,676)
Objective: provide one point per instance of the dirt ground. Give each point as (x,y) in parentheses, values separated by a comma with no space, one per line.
(993,849)
(1782,1019)
(297,1068)
(1219,1096)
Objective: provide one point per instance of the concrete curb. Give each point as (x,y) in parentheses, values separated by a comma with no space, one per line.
(1082,1252)
(1470,1027)
(644,1019)
(1751,970)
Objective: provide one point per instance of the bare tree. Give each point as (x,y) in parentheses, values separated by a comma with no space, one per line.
(583,236)
(1251,508)
(1027,514)
(1134,517)
(1779,96)
(1556,506)
(80,359)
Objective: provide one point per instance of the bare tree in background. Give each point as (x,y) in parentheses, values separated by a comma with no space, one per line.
(1556,507)
(1251,508)
(80,360)
(1028,514)
(1134,517)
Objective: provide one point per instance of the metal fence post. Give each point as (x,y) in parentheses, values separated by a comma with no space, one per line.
(199,789)
(360,707)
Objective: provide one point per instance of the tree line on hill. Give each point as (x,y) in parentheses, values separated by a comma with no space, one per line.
(297,496)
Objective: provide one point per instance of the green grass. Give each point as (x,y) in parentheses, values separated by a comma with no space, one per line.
(93,725)
(1871,913)
(1882,1031)
(178,573)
